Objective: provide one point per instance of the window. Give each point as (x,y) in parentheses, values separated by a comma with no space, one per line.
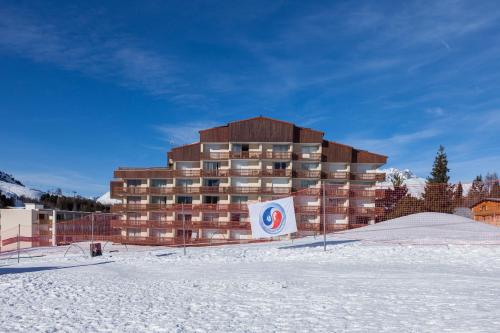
(210,199)
(239,147)
(158,216)
(308,149)
(238,217)
(306,183)
(133,182)
(184,182)
(212,182)
(158,183)
(158,199)
(309,166)
(184,200)
(239,199)
(185,217)
(280,148)
(210,217)
(133,199)
(212,165)
(279,165)
(134,232)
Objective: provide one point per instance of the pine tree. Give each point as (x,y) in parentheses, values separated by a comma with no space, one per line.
(495,190)
(439,174)
(458,196)
(477,192)
(438,194)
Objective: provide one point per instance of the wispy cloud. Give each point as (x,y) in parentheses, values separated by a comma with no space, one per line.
(112,57)
(436,111)
(183,133)
(67,180)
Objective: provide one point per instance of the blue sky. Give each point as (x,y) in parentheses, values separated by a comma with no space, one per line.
(87,87)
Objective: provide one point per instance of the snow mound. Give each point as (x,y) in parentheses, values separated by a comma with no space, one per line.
(106,200)
(428,228)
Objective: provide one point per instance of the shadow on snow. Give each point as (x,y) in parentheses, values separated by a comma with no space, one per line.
(319,243)
(18,270)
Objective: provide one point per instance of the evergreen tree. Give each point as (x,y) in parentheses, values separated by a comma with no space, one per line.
(439,174)
(458,196)
(438,194)
(477,192)
(495,190)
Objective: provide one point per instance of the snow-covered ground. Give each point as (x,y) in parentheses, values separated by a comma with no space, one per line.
(355,286)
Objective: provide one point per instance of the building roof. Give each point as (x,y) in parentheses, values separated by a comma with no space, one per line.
(486,199)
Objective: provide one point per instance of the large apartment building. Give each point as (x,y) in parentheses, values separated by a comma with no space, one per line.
(202,193)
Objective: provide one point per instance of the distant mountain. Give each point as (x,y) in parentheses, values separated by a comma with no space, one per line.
(13,188)
(415,184)
(106,200)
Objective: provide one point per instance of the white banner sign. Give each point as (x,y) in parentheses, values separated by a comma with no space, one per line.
(272,218)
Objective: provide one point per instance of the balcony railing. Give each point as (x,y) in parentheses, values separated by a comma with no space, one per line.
(307,156)
(276,173)
(161,190)
(276,190)
(343,175)
(307,173)
(277,155)
(336,192)
(215,173)
(307,209)
(215,155)
(366,211)
(245,172)
(305,226)
(245,154)
(336,210)
(143,173)
(213,189)
(368,176)
(187,189)
(187,173)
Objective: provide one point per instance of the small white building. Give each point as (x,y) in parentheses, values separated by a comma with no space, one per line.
(30,226)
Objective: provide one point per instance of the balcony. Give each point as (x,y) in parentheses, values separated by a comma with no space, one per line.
(132,190)
(211,207)
(245,172)
(307,156)
(307,191)
(143,173)
(245,189)
(370,211)
(340,175)
(238,207)
(307,209)
(215,155)
(368,176)
(161,190)
(275,190)
(187,173)
(361,193)
(336,210)
(187,189)
(276,173)
(215,173)
(307,173)
(213,190)
(277,156)
(245,155)
(337,192)
(141,224)
(128,207)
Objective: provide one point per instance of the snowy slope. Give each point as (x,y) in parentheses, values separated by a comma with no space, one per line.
(15,190)
(106,200)
(428,228)
(277,287)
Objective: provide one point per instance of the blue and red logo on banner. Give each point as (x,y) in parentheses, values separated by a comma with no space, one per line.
(272,218)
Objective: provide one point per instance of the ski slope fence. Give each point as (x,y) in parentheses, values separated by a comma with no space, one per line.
(326,209)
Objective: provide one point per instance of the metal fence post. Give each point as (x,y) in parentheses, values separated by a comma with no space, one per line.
(18,242)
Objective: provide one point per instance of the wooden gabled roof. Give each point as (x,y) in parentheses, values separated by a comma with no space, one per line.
(337,152)
(261,129)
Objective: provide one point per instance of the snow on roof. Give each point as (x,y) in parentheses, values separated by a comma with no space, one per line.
(428,228)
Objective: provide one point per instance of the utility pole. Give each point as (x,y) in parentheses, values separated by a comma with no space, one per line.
(92,231)
(183,228)
(18,242)
(324,216)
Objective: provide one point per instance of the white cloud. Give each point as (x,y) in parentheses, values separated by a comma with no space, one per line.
(183,133)
(436,111)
